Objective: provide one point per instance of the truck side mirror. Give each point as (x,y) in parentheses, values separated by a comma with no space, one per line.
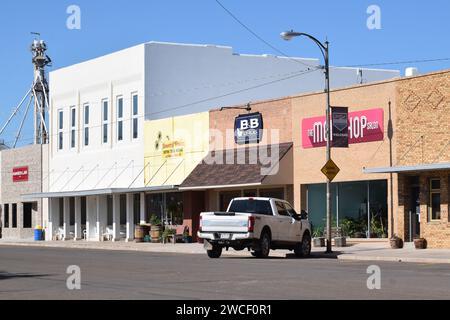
(304,215)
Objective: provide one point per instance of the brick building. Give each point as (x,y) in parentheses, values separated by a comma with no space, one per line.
(23,171)
(422,161)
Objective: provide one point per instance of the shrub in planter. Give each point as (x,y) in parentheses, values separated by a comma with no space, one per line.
(420,243)
(396,242)
(318,239)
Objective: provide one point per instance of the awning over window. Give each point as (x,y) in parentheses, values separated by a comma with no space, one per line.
(229,172)
(415,168)
(98,192)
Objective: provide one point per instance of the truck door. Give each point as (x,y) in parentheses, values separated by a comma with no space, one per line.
(283,224)
(297,226)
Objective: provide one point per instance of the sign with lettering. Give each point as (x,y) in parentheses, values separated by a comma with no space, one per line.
(363,126)
(173,149)
(248,128)
(339,118)
(20,174)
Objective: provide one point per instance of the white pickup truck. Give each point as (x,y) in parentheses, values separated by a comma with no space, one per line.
(258,224)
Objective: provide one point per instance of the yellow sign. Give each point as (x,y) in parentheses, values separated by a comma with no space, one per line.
(330,170)
(173,149)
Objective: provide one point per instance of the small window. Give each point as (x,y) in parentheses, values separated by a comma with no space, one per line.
(252,206)
(281,209)
(60,129)
(290,210)
(6,215)
(27,215)
(435,200)
(105,117)
(73,126)
(135,117)
(86,125)
(120,119)
(14,215)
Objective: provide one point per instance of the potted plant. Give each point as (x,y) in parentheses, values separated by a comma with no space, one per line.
(396,242)
(318,239)
(420,243)
(186,237)
(168,234)
(156,228)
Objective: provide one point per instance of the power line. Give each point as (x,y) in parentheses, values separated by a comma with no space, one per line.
(397,63)
(259,37)
(177,107)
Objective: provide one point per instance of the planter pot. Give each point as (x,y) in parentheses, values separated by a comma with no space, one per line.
(319,242)
(396,243)
(420,243)
(155,233)
(340,242)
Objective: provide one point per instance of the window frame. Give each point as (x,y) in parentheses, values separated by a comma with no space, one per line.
(120,119)
(134,116)
(86,124)
(433,192)
(73,127)
(105,132)
(60,127)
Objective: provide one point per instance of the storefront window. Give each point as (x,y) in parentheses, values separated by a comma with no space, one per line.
(174,208)
(277,193)
(226,197)
(435,199)
(356,207)
(250,193)
(155,205)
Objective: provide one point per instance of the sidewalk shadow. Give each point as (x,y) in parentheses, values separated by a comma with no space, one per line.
(8,276)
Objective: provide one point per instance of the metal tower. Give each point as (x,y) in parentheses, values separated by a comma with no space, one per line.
(37,96)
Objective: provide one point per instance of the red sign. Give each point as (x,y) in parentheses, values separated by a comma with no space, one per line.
(363,126)
(20,174)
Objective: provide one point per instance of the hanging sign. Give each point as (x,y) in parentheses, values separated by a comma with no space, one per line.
(339,118)
(248,128)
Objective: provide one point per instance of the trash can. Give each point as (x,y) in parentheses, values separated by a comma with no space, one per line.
(38,234)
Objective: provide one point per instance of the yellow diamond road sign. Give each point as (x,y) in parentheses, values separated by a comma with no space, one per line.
(330,170)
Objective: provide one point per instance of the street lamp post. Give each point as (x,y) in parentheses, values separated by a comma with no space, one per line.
(289,35)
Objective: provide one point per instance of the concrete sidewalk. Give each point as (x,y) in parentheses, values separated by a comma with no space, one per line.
(361,251)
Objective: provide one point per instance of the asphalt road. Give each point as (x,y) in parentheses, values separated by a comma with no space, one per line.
(40,273)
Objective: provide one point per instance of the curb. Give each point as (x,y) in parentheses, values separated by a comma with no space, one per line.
(393,259)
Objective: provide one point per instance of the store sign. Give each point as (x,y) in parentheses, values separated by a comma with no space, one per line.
(339,116)
(363,126)
(173,149)
(248,128)
(20,174)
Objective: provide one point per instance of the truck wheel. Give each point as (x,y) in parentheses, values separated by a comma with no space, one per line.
(215,253)
(303,249)
(264,246)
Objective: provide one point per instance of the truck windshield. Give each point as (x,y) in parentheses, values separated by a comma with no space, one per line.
(251,206)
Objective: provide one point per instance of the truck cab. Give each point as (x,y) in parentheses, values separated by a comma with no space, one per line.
(256,224)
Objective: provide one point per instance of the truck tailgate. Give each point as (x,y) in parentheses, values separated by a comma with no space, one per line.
(223,222)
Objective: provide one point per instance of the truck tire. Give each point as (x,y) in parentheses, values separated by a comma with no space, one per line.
(303,249)
(215,253)
(264,246)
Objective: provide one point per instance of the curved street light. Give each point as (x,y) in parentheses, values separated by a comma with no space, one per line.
(324,48)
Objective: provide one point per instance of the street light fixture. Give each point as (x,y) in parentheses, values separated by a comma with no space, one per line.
(289,35)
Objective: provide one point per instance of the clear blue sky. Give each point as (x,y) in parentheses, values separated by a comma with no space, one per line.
(410,30)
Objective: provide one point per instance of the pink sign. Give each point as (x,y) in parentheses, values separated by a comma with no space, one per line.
(364,126)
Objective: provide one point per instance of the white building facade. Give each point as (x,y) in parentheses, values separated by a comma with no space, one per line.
(98,108)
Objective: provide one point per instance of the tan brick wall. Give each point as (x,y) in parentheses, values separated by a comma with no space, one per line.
(423,137)
(277,115)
